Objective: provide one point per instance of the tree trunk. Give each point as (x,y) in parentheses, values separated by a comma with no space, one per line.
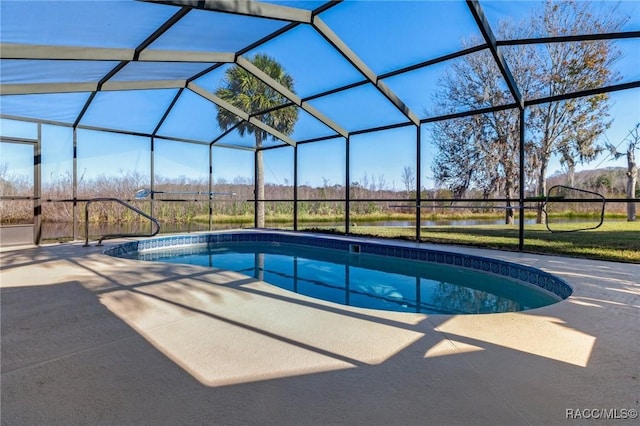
(571,172)
(542,190)
(508,216)
(259,183)
(632,178)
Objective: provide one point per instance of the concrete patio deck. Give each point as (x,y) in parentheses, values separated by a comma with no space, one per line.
(91,339)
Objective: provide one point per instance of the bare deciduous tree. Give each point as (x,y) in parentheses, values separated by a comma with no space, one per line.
(482,150)
(572,127)
(409,180)
(632,168)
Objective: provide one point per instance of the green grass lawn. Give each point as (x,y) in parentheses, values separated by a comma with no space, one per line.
(614,241)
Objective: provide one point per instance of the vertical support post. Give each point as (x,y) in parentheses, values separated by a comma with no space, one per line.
(75,184)
(347,195)
(522,180)
(295,188)
(152,180)
(418,183)
(37,188)
(255,189)
(210,187)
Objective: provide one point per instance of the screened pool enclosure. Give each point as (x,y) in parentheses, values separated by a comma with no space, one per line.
(312,114)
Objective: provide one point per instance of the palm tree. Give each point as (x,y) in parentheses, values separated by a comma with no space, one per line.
(245,91)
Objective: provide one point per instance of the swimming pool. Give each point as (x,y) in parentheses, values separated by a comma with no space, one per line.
(362,273)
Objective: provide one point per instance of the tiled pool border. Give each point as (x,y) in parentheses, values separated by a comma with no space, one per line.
(522,273)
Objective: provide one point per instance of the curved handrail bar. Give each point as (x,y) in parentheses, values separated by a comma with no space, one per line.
(600,198)
(111,236)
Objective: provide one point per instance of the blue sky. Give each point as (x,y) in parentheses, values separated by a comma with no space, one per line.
(399,42)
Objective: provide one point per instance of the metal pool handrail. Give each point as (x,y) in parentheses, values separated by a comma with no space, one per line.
(110,236)
(599,198)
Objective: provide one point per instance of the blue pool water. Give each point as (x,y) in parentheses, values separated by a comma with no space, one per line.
(363,280)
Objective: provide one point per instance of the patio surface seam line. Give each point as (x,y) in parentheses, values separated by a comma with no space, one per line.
(69,354)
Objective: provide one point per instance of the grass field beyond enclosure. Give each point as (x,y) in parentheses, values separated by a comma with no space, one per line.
(613,241)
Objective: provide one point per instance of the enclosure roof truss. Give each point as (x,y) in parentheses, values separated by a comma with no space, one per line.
(290,18)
